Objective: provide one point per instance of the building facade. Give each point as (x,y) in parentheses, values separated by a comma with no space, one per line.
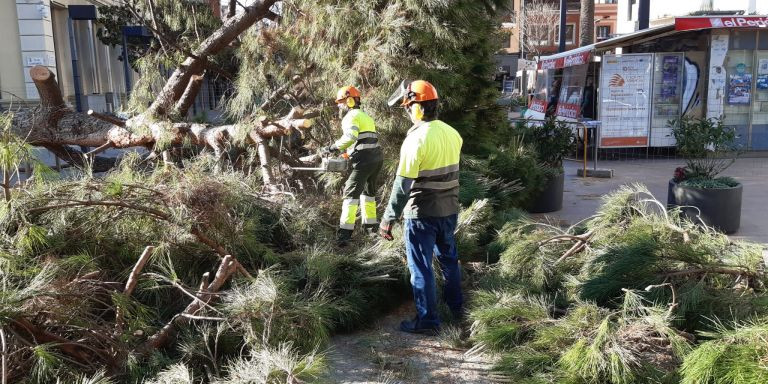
(60,35)
(664,12)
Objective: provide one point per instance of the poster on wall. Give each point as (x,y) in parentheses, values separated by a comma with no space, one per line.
(571,93)
(762,67)
(625,83)
(670,69)
(762,82)
(716,87)
(739,88)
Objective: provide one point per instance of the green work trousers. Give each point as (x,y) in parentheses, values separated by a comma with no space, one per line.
(360,189)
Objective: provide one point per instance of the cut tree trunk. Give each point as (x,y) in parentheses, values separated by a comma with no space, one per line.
(57,128)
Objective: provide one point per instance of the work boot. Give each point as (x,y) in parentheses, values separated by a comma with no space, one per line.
(413,326)
(343,236)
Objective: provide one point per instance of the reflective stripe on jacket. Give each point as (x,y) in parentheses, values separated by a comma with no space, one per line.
(430,155)
(358,133)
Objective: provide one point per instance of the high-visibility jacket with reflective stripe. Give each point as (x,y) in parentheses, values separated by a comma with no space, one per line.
(359,138)
(430,155)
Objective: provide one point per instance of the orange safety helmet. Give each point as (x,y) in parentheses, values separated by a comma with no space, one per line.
(419,90)
(344,92)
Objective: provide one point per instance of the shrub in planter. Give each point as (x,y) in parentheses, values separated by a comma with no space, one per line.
(709,148)
(551,141)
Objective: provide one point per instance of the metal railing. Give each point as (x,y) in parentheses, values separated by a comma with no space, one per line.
(582,134)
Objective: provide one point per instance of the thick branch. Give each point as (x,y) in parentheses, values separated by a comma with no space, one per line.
(133,280)
(718,270)
(107,118)
(188,98)
(205,296)
(39,336)
(217,41)
(47,87)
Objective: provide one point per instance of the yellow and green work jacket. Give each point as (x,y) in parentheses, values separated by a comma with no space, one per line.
(427,182)
(359,138)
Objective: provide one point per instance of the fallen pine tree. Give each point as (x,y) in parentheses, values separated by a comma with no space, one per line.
(631,295)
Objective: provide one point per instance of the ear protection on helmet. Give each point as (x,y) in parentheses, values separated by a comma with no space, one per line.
(417,111)
(351,102)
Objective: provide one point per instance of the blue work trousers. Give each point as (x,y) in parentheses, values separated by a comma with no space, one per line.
(425,237)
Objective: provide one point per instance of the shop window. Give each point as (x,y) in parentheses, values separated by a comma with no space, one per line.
(763,40)
(569,32)
(743,40)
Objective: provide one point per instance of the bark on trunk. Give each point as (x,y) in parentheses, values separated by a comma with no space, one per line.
(218,40)
(587,21)
(57,128)
(188,98)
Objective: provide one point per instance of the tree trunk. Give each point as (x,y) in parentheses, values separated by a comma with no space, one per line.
(218,40)
(587,27)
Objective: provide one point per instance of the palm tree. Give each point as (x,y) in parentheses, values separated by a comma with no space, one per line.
(587,29)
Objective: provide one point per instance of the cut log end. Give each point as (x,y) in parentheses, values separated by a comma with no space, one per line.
(41,73)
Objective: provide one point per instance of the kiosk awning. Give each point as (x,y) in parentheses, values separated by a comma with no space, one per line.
(570,58)
(714,22)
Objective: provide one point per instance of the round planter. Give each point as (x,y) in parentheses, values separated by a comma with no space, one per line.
(717,207)
(551,198)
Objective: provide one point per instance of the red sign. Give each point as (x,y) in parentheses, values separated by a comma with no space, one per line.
(571,111)
(624,141)
(538,106)
(571,60)
(692,23)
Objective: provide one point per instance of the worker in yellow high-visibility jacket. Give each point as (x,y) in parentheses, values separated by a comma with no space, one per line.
(426,193)
(361,142)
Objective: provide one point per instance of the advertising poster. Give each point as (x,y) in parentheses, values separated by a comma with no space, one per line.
(739,88)
(762,67)
(762,82)
(669,79)
(571,93)
(625,84)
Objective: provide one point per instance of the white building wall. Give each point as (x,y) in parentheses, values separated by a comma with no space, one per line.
(36,39)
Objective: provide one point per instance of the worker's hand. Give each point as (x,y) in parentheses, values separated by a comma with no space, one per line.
(329,150)
(385,230)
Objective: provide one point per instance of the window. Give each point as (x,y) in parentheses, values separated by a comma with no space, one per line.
(603,31)
(506,42)
(540,34)
(569,32)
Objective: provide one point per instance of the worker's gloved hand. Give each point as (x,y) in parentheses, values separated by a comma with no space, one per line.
(331,149)
(385,230)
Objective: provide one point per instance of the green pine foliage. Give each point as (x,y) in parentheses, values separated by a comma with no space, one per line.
(634,305)
(735,353)
(60,230)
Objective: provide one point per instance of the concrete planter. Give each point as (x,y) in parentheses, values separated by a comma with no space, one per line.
(717,207)
(551,198)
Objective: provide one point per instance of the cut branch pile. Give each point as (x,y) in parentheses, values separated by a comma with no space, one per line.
(622,297)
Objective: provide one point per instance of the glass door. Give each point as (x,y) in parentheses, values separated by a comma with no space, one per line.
(739,83)
(667,97)
(759,137)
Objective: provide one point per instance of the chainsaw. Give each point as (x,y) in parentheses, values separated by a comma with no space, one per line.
(329,164)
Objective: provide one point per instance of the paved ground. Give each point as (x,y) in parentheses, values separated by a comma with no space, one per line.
(382,354)
(582,196)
